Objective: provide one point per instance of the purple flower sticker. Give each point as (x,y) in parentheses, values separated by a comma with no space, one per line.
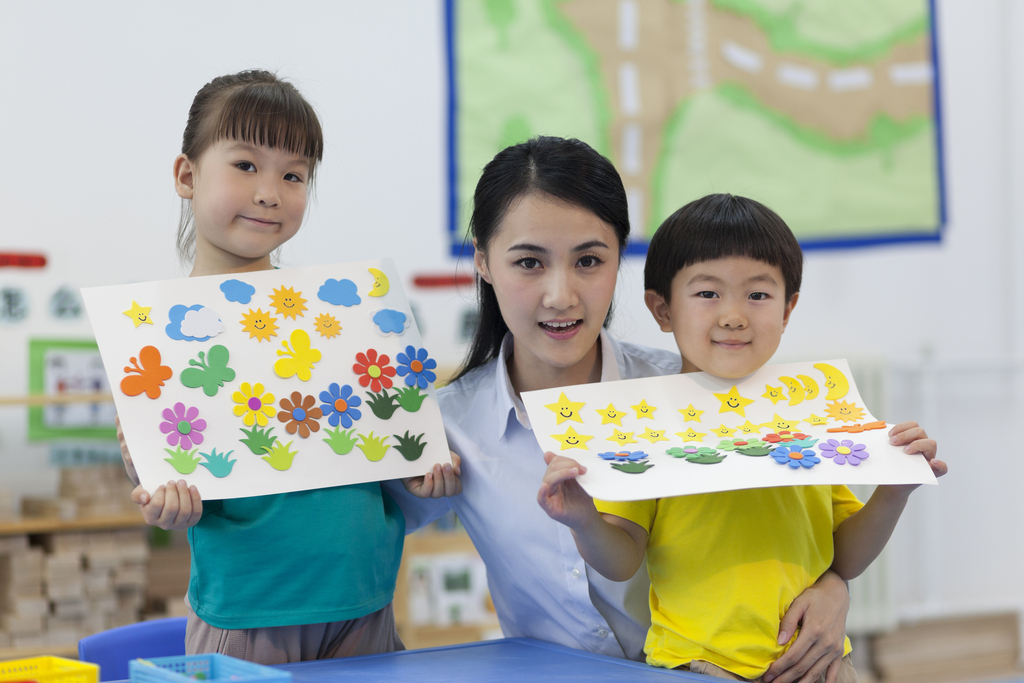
(181,426)
(844,451)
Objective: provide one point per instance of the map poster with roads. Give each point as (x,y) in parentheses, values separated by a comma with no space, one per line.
(825,111)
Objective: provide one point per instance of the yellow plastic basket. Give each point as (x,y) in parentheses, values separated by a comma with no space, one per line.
(48,670)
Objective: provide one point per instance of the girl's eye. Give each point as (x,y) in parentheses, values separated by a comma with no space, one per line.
(293,177)
(246,166)
(589,261)
(529,263)
(759,296)
(707,294)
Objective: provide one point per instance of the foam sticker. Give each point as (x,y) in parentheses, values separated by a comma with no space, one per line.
(380,287)
(340,405)
(621,438)
(259,441)
(795,456)
(259,325)
(300,414)
(691,435)
(749,427)
(572,440)
(691,414)
(237,291)
(610,415)
(383,405)
(327,325)
(722,430)
(733,402)
(564,409)
(219,464)
(416,366)
(773,394)
(622,456)
(148,378)
(835,381)
(388,321)
(298,359)
(211,371)
(193,323)
(410,398)
(339,293)
(373,447)
(643,410)
(816,420)
(139,314)
(280,456)
(288,303)
(374,370)
(341,441)
(411,447)
(653,435)
(699,455)
(253,406)
(182,460)
(858,428)
(183,426)
(781,424)
(794,389)
(810,387)
(844,451)
(843,411)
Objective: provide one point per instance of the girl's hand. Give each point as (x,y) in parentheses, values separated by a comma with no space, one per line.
(174,506)
(820,613)
(439,482)
(914,440)
(561,496)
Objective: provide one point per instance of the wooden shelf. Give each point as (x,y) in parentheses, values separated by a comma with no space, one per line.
(51,399)
(68,651)
(53,525)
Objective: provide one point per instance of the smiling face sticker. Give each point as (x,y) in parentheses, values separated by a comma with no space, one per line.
(733,402)
(846,412)
(723,431)
(572,440)
(773,394)
(749,428)
(287,302)
(327,325)
(643,410)
(564,409)
(816,421)
(610,415)
(622,438)
(653,435)
(139,314)
(691,435)
(259,325)
(691,414)
(780,424)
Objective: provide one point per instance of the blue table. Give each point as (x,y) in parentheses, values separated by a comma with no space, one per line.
(509,659)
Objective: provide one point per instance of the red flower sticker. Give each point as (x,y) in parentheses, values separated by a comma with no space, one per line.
(374,371)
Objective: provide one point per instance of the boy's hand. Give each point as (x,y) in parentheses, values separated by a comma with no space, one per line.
(561,496)
(439,482)
(914,440)
(174,506)
(820,613)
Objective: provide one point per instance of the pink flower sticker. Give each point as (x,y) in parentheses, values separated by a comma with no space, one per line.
(182,426)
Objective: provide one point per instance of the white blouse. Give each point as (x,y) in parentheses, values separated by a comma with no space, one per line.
(540,585)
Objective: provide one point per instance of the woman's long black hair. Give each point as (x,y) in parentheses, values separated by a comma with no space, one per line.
(567,169)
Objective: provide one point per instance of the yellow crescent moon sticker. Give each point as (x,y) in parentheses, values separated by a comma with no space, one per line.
(835,381)
(380,285)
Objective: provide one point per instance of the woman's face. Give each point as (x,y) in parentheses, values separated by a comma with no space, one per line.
(553,267)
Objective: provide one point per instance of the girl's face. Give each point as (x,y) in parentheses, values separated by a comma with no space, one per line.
(247,200)
(553,267)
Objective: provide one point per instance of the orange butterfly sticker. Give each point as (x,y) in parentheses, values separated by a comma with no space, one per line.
(150,376)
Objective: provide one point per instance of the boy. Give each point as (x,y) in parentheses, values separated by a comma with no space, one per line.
(723,275)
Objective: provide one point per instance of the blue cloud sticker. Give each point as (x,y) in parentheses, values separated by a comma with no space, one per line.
(236,290)
(193,323)
(339,292)
(390,321)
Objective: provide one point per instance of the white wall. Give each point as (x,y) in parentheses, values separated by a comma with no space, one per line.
(94,101)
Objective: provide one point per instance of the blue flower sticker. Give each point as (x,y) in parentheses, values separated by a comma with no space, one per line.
(623,456)
(236,290)
(339,292)
(339,405)
(795,456)
(416,367)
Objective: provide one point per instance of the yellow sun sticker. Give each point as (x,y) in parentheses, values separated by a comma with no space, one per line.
(261,326)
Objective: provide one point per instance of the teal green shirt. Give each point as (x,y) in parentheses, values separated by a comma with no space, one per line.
(307,557)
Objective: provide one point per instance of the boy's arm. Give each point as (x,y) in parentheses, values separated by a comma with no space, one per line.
(612,545)
(861,537)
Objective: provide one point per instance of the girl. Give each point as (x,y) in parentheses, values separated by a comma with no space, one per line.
(270,582)
(549,225)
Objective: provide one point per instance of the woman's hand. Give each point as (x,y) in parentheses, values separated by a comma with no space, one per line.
(820,613)
(439,482)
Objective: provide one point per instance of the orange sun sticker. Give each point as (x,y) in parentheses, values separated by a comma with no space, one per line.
(327,325)
(846,412)
(259,325)
(287,302)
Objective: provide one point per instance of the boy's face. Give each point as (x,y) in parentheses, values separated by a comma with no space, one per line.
(727,315)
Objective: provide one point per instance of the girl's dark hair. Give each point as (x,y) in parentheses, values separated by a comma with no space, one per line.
(251,106)
(719,226)
(567,169)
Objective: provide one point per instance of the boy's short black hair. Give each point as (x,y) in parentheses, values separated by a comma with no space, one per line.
(719,226)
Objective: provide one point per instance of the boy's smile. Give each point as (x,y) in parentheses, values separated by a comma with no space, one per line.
(727,315)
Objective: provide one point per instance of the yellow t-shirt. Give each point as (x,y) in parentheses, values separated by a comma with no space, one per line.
(725,567)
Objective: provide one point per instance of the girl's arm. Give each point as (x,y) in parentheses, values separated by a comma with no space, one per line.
(861,537)
(612,545)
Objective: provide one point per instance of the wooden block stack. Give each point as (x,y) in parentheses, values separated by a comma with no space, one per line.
(168,580)
(102,490)
(23,607)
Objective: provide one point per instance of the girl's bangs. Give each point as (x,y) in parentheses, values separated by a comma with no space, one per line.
(262,114)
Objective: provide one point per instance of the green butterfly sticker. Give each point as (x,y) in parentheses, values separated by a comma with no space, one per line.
(211,371)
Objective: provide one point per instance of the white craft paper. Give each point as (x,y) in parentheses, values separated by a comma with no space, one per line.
(671,476)
(316,465)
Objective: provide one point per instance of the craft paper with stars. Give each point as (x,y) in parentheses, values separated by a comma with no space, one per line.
(671,414)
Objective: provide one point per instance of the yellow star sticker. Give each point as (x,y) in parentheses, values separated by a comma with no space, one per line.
(139,314)
(572,440)
(690,435)
(815,420)
(565,409)
(780,424)
(723,431)
(749,428)
(653,435)
(691,414)
(773,394)
(732,401)
(621,438)
(610,416)
(644,410)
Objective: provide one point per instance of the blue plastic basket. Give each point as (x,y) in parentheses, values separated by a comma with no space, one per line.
(202,667)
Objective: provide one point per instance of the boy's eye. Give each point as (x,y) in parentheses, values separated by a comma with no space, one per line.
(589,261)
(246,166)
(529,263)
(706,294)
(759,296)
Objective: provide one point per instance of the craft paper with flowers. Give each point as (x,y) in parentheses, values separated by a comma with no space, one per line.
(273,381)
(777,427)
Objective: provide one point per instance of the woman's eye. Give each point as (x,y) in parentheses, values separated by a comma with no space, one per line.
(529,263)
(246,166)
(589,261)
(707,295)
(759,296)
